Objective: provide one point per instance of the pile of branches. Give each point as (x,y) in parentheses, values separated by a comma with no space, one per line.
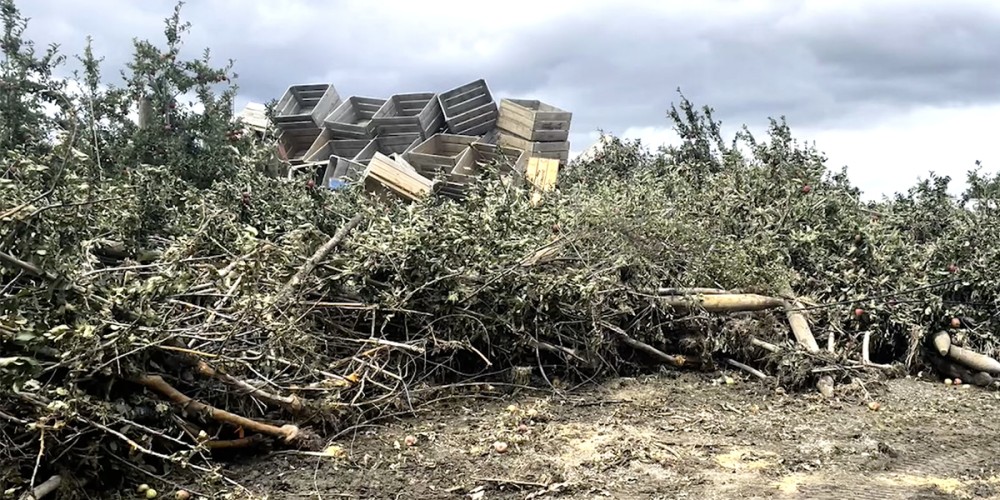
(164,302)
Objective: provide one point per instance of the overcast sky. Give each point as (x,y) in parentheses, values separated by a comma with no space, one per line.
(891,90)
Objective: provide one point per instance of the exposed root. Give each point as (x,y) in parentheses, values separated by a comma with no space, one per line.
(289,433)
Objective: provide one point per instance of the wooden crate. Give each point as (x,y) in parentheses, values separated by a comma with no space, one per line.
(441,153)
(469,109)
(387,145)
(353,118)
(340,171)
(325,146)
(384,173)
(534,120)
(348,162)
(295,143)
(515,159)
(414,113)
(536,149)
(306,103)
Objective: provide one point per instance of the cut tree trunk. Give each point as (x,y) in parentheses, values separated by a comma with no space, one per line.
(974,360)
(724,302)
(797,321)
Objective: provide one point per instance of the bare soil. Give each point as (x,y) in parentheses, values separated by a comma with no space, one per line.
(688,436)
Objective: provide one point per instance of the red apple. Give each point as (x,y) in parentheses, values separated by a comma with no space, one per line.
(806,189)
(859,312)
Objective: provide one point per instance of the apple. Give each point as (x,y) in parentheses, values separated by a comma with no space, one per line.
(806,189)
(859,312)
(956,323)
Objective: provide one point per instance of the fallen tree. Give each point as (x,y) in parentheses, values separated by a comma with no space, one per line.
(165,302)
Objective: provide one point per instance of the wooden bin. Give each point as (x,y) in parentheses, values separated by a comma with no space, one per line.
(347,167)
(388,145)
(306,103)
(469,109)
(536,149)
(414,113)
(484,153)
(325,146)
(384,174)
(441,153)
(534,120)
(353,118)
(296,142)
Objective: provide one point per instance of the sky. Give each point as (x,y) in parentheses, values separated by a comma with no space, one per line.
(891,89)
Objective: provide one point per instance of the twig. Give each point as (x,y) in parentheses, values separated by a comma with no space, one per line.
(752,371)
(515,482)
(156,383)
(418,350)
(44,489)
(13,419)
(691,291)
(767,346)
(320,253)
(673,360)
(38,459)
(291,402)
(25,266)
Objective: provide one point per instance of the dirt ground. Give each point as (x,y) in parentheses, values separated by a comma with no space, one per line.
(688,436)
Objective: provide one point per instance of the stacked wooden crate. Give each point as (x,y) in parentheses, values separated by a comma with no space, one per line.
(412,144)
(298,116)
(539,129)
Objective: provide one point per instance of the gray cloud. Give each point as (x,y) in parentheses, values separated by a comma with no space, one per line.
(613,68)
